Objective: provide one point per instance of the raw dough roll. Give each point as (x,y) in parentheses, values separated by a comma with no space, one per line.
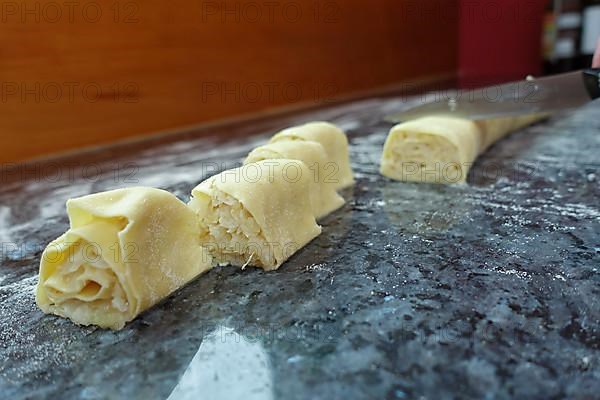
(125,251)
(495,129)
(324,198)
(335,143)
(258,214)
(442,149)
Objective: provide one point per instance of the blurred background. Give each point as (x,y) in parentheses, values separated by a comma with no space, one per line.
(80,73)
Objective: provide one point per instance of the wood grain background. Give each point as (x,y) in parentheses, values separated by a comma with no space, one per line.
(83,73)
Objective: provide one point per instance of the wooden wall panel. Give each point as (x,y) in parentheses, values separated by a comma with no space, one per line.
(81,73)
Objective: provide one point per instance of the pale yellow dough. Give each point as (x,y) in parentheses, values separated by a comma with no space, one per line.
(442,149)
(335,143)
(258,214)
(125,251)
(324,198)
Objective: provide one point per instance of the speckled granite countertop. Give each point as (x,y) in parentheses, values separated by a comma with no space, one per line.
(490,290)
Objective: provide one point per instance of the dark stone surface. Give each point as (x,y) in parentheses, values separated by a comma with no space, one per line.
(489,290)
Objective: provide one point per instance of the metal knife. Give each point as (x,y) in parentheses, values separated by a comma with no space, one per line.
(534,95)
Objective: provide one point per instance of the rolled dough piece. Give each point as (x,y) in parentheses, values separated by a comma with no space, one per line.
(258,215)
(324,198)
(335,143)
(125,251)
(442,149)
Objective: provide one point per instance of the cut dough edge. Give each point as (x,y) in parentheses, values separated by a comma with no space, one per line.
(79,281)
(423,157)
(231,233)
(236,236)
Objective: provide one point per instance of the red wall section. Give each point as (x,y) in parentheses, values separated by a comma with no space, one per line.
(499,40)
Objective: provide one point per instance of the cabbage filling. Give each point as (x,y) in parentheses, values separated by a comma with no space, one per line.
(232,235)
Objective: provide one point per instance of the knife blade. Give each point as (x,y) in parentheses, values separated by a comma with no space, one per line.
(531,96)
